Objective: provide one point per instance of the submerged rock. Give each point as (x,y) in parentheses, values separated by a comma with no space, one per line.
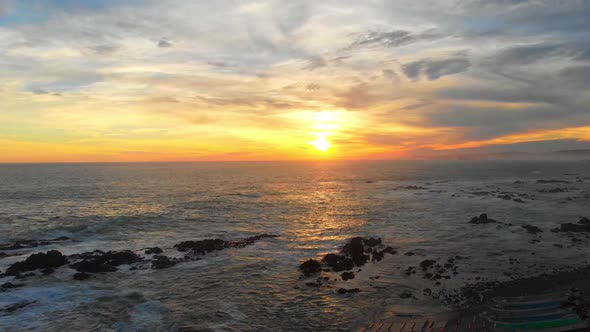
(532,229)
(344,290)
(482,219)
(162,262)
(552,181)
(82,276)
(201,247)
(50,259)
(21,244)
(583,225)
(208,245)
(154,250)
(98,261)
(16,306)
(347,275)
(9,285)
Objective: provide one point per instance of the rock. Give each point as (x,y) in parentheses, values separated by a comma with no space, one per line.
(208,245)
(414,188)
(389,250)
(551,181)
(201,247)
(50,259)
(405,295)
(427,263)
(338,262)
(3,254)
(310,267)
(372,242)
(82,276)
(154,250)
(427,291)
(518,200)
(20,244)
(558,245)
(247,241)
(583,225)
(347,275)
(355,249)
(482,219)
(409,253)
(9,285)
(15,307)
(47,271)
(532,229)
(24,275)
(344,290)
(162,262)
(505,197)
(98,261)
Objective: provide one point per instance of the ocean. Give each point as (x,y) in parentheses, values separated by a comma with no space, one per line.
(420,208)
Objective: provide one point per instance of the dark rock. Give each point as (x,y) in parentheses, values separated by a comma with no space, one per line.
(82,276)
(482,219)
(3,254)
(162,262)
(9,285)
(208,245)
(338,262)
(201,247)
(24,275)
(583,225)
(558,245)
(389,250)
(20,244)
(47,271)
(427,263)
(15,307)
(551,181)
(310,267)
(506,197)
(355,249)
(518,200)
(347,275)
(98,261)
(344,290)
(50,259)
(154,250)
(405,295)
(427,291)
(247,241)
(414,188)
(532,229)
(372,242)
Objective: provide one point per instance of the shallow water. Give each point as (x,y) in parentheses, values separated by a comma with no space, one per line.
(314,207)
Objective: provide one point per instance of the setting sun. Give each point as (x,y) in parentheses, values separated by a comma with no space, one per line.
(321,143)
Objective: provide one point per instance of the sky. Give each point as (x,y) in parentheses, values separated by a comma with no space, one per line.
(141,80)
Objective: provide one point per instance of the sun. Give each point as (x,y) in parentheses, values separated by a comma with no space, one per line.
(321,143)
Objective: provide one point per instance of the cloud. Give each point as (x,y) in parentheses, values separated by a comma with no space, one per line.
(577,75)
(315,62)
(435,69)
(164,43)
(501,95)
(526,54)
(104,49)
(40,92)
(393,38)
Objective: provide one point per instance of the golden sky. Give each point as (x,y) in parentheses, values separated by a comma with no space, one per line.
(138,80)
